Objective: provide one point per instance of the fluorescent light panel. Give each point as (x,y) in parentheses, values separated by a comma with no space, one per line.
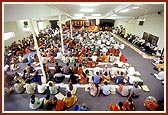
(135,7)
(125,10)
(87,10)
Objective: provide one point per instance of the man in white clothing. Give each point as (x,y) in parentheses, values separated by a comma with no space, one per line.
(160,75)
(41,88)
(131,70)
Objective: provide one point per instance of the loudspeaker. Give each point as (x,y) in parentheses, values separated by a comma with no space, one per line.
(141,23)
(25,23)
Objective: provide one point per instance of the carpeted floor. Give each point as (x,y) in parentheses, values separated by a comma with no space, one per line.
(20,102)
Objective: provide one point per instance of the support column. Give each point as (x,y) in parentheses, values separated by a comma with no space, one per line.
(71,28)
(44,80)
(62,42)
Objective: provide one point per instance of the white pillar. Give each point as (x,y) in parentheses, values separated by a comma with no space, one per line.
(44,80)
(71,28)
(62,42)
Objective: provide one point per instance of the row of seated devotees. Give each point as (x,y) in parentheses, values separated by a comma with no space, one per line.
(70,98)
(22,82)
(143,44)
(74,50)
(87,61)
(58,73)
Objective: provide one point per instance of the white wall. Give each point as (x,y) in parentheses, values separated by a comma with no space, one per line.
(153,24)
(17,28)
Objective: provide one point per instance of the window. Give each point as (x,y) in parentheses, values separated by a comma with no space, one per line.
(9,35)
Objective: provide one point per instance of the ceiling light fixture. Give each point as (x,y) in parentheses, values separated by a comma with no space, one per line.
(135,7)
(125,10)
(87,10)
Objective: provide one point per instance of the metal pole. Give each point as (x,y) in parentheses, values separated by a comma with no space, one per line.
(71,27)
(38,52)
(62,42)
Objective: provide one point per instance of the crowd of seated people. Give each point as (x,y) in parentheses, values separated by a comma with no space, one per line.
(128,105)
(77,56)
(141,43)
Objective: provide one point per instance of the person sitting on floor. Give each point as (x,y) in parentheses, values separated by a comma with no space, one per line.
(129,105)
(73,78)
(36,58)
(74,69)
(36,77)
(54,102)
(117,107)
(47,105)
(57,68)
(82,78)
(14,67)
(51,59)
(135,91)
(131,79)
(59,77)
(30,87)
(19,78)
(159,66)
(123,58)
(41,88)
(53,88)
(130,70)
(70,99)
(71,89)
(106,78)
(66,69)
(105,89)
(97,78)
(29,69)
(35,103)
(22,58)
(80,69)
(160,75)
(112,58)
(94,90)
(18,86)
(81,107)
(153,104)
(119,79)
(122,89)
(30,59)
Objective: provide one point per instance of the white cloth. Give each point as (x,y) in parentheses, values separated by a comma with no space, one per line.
(44,59)
(120,64)
(36,104)
(97,69)
(132,79)
(94,58)
(131,70)
(41,88)
(59,55)
(160,75)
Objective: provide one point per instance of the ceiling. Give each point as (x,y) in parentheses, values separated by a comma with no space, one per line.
(110,10)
